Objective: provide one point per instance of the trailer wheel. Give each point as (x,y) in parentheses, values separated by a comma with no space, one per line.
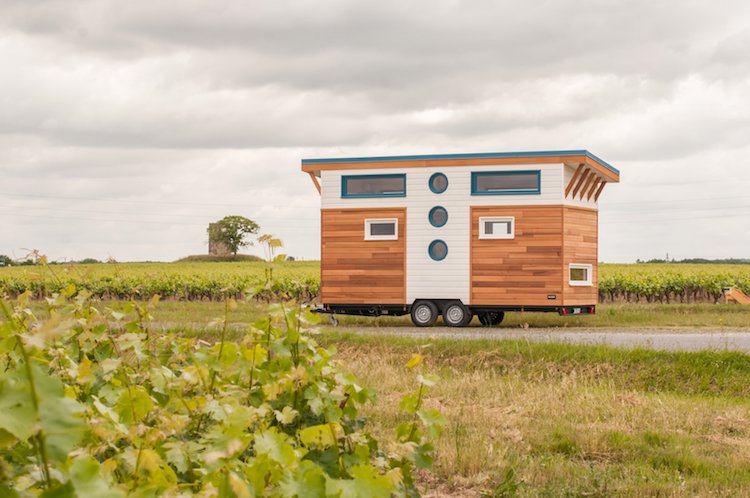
(456,314)
(424,314)
(490,318)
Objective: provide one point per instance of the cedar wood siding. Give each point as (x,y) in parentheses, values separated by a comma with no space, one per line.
(580,246)
(520,271)
(358,271)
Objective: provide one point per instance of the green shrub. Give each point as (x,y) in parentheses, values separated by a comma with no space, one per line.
(87,409)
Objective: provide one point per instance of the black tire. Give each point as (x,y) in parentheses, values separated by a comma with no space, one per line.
(456,314)
(424,314)
(490,318)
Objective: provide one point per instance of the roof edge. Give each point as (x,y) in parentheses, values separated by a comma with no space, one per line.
(478,155)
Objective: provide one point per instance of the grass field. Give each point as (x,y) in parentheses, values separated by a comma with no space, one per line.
(561,420)
(198,314)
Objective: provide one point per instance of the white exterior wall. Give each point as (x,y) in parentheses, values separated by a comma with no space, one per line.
(449,278)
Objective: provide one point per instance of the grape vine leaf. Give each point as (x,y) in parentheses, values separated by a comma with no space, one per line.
(16,410)
(87,480)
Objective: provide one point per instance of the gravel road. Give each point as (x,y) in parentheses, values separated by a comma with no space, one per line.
(664,339)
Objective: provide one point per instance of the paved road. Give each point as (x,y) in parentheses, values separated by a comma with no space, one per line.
(664,339)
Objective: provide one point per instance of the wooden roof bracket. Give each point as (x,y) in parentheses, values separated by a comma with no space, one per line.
(593,188)
(598,192)
(580,182)
(586,185)
(315,180)
(579,170)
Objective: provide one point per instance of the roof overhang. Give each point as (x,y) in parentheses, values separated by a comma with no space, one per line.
(577,157)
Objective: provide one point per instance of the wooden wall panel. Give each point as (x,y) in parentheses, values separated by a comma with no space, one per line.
(581,231)
(523,270)
(358,271)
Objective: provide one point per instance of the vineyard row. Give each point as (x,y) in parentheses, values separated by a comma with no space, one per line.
(614,286)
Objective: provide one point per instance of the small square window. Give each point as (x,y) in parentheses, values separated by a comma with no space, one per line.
(497,227)
(579,274)
(381,229)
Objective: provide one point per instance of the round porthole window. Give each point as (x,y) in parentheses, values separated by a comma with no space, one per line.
(438,250)
(438,216)
(438,183)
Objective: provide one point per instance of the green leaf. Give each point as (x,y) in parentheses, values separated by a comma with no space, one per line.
(423,456)
(427,380)
(7,492)
(312,318)
(59,416)
(228,355)
(60,491)
(16,410)
(286,416)
(134,404)
(239,486)
(433,421)
(110,365)
(403,430)
(6,439)
(275,446)
(320,436)
(177,455)
(255,354)
(366,483)
(306,481)
(415,361)
(409,403)
(85,474)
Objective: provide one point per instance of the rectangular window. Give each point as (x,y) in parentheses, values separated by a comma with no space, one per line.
(506,182)
(381,229)
(373,186)
(497,227)
(579,274)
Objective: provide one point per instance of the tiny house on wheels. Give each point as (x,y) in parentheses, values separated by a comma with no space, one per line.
(460,235)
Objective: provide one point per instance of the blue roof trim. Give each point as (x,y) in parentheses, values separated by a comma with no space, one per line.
(479,155)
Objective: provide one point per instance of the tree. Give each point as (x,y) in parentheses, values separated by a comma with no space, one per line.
(5,260)
(270,244)
(232,231)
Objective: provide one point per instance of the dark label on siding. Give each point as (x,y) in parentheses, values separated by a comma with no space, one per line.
(551,297)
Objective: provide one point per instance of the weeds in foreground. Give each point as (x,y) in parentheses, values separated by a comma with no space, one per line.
(91,409)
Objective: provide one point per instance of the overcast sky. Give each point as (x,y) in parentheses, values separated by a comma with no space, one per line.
(125,127)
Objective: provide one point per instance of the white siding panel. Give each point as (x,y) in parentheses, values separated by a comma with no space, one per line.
(449,278)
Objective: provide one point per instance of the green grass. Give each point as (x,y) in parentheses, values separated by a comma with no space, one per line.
(532,419)
(704,373)
(607,315)
(197,314)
